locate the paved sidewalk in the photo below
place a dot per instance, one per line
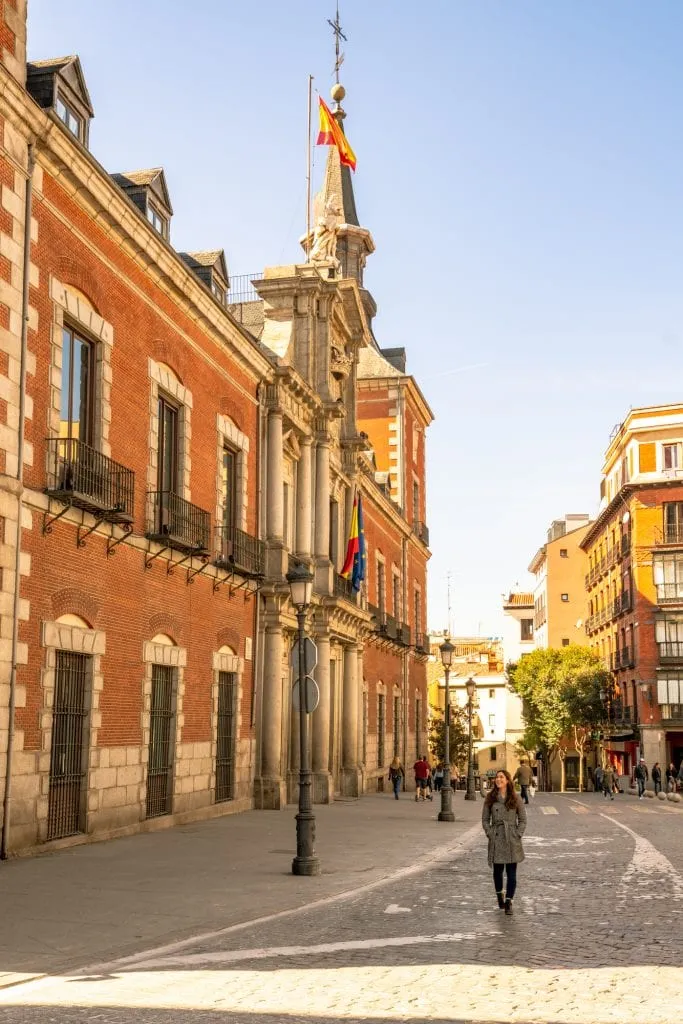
(103, 900)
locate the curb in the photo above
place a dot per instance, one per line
(674, 798)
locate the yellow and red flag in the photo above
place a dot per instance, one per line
(331, 134)
(356, 554)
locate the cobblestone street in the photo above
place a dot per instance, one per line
(596, 937)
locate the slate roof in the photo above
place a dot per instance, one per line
(372, 363)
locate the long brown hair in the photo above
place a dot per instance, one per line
(510, 795)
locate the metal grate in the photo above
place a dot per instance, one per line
(88, 479)
(177, 522)
(381, 728)
(67, 762)
(365, 727)
(161, 748)
(225, 736)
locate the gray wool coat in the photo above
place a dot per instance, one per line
(504, 829)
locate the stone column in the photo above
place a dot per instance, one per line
(303, 500)
(275, 517)
(350, 723)
(269, 787)
(322, 499)
(323, 788)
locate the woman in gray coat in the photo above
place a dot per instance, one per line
(504, 822)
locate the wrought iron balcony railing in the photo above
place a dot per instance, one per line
(78, 475)
(421, 643)
(344, 588)
(178, 523)
(403, 633)
(238, 550)
(672, 533)
(671, 713)
(422, 531)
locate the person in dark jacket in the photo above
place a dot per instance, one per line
(657, 777)
(608, 781)
(641, 773)
(598, 779)
(671, 778)
(503, 819)
(396, 774)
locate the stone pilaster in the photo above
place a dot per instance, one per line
(323, 786)
(304, 500)
(350, 766)
(269, 786)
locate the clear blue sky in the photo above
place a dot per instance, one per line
(519, 165)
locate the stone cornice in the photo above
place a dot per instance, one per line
(90, 185)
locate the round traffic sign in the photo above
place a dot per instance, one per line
(311, 695)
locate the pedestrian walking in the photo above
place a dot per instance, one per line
(608, 782)
(455, 778)
(680, 773)
(503, 819)
(641, 773)
(524, 776)
(598, 778)
(422, 774)
(438, 778)
(671, 778)
(396, 775)
(657, 777)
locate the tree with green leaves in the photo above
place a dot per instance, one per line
(458, 736)
(560, 691)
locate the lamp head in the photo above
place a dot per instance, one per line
(300, 585)
(471, 687)
(447, 650)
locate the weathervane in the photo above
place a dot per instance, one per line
(338, 34)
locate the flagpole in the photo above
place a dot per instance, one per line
(308, 170)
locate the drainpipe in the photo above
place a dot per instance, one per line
(7, 800)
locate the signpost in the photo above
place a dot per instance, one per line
(311, 695)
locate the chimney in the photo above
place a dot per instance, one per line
(13, 38)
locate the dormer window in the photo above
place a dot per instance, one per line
(158, 222)
(70, 118)
(218, 292)
(210, 267)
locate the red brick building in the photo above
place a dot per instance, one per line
(172, 464)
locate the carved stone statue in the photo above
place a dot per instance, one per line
(324, 248)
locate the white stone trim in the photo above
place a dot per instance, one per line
(59, 636)
(229, 434)
(74, 309)
(173, 657)
(162, 379)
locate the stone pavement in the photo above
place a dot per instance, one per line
(97, 901)
(597, 935)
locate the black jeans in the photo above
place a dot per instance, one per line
(525, 793)
(511, 871)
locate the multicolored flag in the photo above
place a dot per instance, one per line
(356, 556)
(331, 134)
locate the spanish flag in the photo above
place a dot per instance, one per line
(356, 556)
(331, 134)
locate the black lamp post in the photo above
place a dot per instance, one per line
(305, 863)
(447, 650)
(471, 688)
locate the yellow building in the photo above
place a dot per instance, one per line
(559, 569)
(634, 584)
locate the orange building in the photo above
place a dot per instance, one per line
(559, 570)
(634, 585)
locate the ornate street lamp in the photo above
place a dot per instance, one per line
(471, 688)
(447, 650)
(305, 863)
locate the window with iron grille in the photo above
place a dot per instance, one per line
(365, 728)
(418, 725)
(161, 742)
(225, 736)
(381, 728)
(68, 756)
(397, 725)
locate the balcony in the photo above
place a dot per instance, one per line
(239, 552)
(626, 660)
(620, 714)
(80, 476)
(421, 643)
(391, 626)
(670, 650)
(625, 545)
(672, 714)
(671, 534)
(421, 531)
(404, 633)
(177, 523)
(344, 588)
(670, 593)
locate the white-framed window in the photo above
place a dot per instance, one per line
(68, 116)
(670, 688)
(671, 456)
(218, 291)
(158, 222)
(668, 576)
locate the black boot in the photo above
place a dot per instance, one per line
(508, 908)
(501, 901)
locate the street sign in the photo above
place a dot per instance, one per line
(310, 657)
(311, 695)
